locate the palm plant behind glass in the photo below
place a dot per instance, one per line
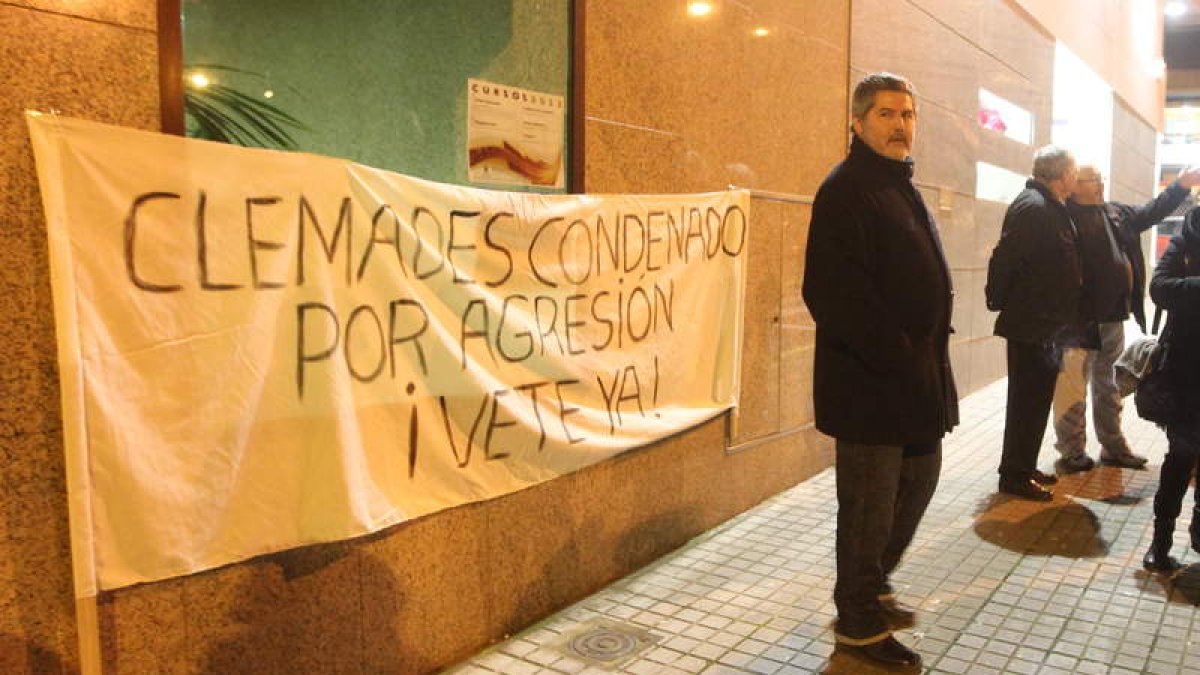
(218, 112)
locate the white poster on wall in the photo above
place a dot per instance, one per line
(514, 136)
(260, 349)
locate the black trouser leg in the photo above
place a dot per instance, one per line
(1032, 371)
(918, 480)
(1183, 452)
(881, 497)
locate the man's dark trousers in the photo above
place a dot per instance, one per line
(1032, 372)
(882, 494)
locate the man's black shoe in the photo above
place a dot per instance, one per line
(1043, 478)
(887, 651)
(1159, 561)
(1025, 489)
(897, 615)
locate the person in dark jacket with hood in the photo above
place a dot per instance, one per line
(1113, 280)
(878, 286)
(1176, 288)
(1034, 281)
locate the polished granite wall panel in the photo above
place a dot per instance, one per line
(1017, 64)
(654, 161)
(988, 361)
(960, 364)
(127, 13)
(964, 304)
(1009, 36)
(989, 221)
(797, 331)
(299, 613)
(963, 17)
(904, 38)
(761, 110)
(947, 145)
(426, 587)
(758, 411)
(1006, 153)
(144, 629)
(956, 226)
(1132, 177)
(103, 67)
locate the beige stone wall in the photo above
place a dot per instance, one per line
(1119, 39)
(1134, 145)
(89, 59)
(1133, 180)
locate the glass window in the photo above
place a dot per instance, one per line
(997, 114)
(381, 82)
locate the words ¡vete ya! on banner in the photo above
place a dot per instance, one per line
(261, 350)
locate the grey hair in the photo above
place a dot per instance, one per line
(1051, 162)
(865, 90)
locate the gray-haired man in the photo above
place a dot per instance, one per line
(1034, 281)
(1114, 279)
(878, 287)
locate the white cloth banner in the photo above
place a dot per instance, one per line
(261, 350)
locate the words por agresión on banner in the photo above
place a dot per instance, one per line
(559, 253)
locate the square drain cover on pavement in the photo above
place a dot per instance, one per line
(604, 643)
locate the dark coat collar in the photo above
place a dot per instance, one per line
(863, 157)
(1035, 184)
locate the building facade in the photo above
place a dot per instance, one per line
(672, 103)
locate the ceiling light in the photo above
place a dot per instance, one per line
(1175, 9)
(699, 8)
(761, 32)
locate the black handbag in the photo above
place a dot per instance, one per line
(1156, 397)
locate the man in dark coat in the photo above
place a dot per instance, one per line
(1034, 281)
(1113, 281)
(877, 284)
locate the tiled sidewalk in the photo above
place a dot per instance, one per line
(1003, 585)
